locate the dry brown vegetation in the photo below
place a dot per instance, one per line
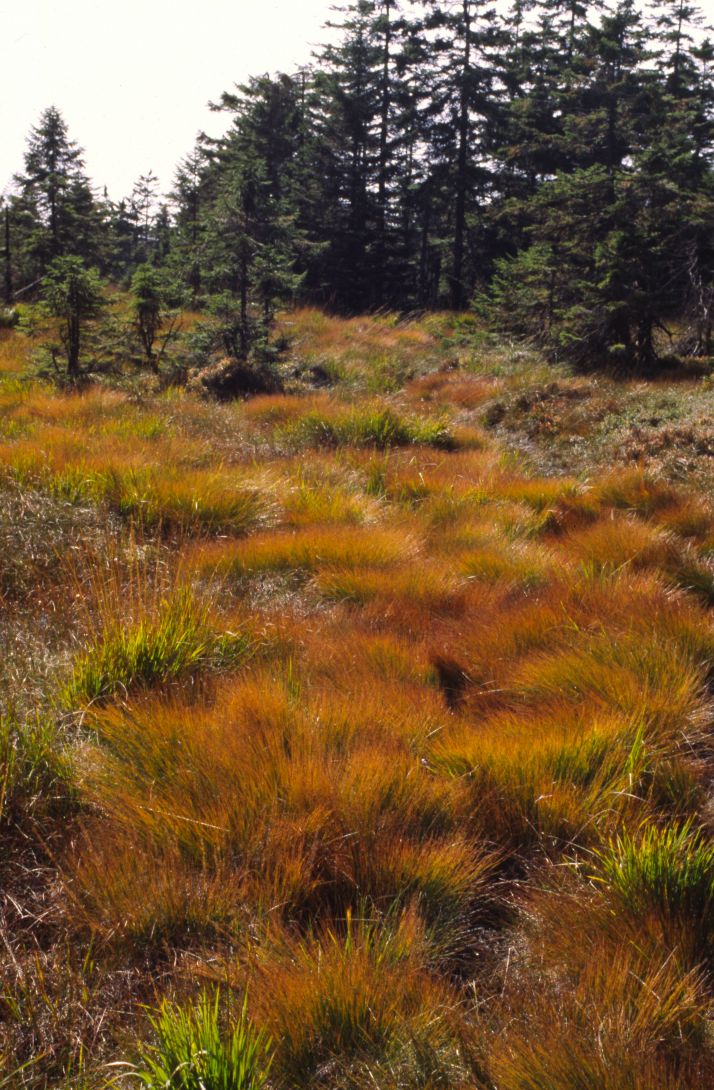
(329, 700)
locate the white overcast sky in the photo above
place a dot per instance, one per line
(133, 78)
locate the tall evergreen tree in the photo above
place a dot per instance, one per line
(349, 83)
(463, 107)
(57, 195)
(187, 199)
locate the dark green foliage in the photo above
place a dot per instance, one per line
(55, 211)
(239, 235)
(554, 161)
(149, 308)
(615, 243)
(74, 294)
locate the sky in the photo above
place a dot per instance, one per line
(133, 79)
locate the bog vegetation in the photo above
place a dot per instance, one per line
(356, 644)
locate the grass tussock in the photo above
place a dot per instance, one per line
(309, 549)
(323, 823)
(636, 1012)
(432, 590)
(149, 632)
(667, 873)
(192, 1052)
(36, 774)
(357, 1002)
(371, 427)
(196, 501)
(149, 899)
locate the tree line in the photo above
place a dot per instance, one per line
(549, 164)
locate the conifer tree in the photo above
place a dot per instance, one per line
(142, 212)
(74, 294)
(463, 107)
(349, 84)
(7, 252)
(57, 196)
(188, 227)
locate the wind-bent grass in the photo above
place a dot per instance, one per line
(429, 589)
(184, 500)
(525, 567)
(194, 500)
(619, 542)
(309, 549)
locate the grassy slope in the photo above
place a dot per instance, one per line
(351, 698)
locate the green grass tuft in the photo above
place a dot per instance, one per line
(177, 641)
(668, 872)
(192, 1053)
(35, 773)
(378, 427)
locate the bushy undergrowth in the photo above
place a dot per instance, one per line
(449, 828)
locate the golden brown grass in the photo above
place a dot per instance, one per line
(354, 1005)
(13, 353)
(468, 683)
(308, 549)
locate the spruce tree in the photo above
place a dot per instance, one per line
(58, 196)
(463, 107)
(187, 199)
(74, 294)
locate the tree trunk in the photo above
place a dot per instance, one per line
(73, 345)
(53, 220)
(383, 158)
(423, 286)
